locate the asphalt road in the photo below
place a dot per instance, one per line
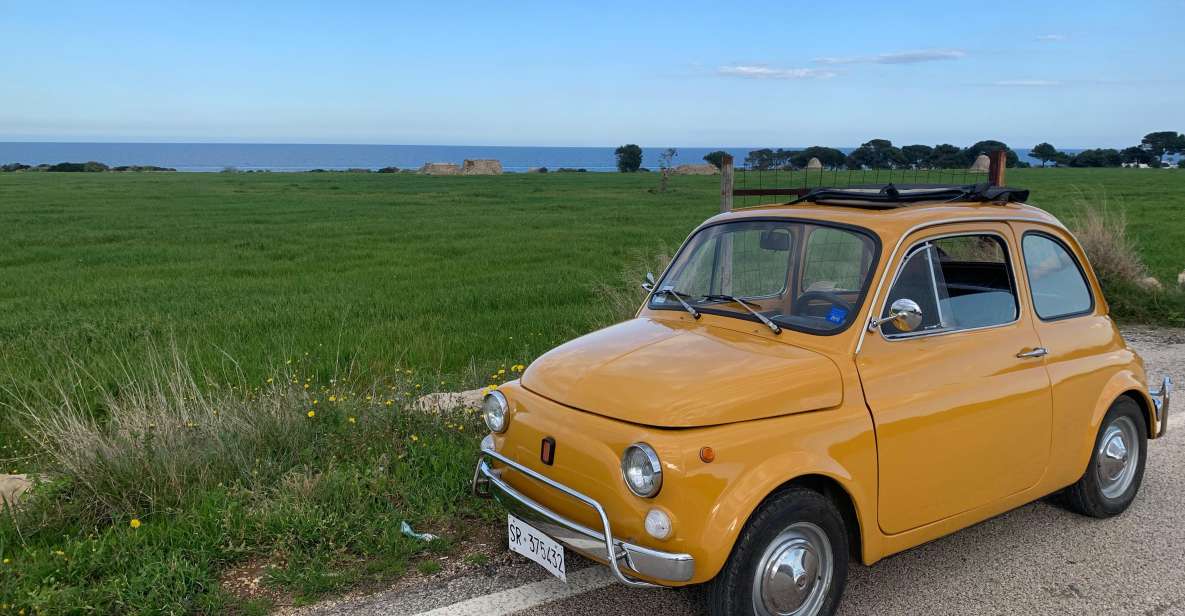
(1038, 559)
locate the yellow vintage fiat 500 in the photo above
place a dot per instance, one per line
(845, 376)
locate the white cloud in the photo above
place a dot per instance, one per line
(1028, 83)
(1051, 38)
(899, 57)
(751, 71)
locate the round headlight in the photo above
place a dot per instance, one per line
(641, 470)
(493, 410)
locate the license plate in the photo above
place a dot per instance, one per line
(528, 541)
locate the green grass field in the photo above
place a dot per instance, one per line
(384, 270)
(371, 287)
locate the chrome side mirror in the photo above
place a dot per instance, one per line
(905, 314)
(649, 284)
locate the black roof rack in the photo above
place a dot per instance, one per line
(890, 196)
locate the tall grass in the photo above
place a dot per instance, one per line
(310, 477)
(1102, 229)
(622, 294)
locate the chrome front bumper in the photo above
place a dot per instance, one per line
(1160, 400)
(627, 558)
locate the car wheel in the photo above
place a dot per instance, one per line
(1116, 466)
(790, 560)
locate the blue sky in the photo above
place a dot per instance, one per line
(547, 73)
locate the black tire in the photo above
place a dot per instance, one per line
(731, 592)
(1087, 496)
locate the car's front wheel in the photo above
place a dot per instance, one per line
(1116, 466)
(791, 560)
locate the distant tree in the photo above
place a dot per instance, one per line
(68, 167)
(766, 158)
(629, 158)
(945, 156)
(1137, 155)
(1163, 142)
(1044, 152)
(830, 158)
(917, 155)
(876, 154)
(987, 147)
(14, 167)
(716, 159)
(665, 160)
(1102, 157)
(389, 170)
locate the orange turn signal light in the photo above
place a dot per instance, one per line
(707, 454)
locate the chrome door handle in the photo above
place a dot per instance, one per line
(1037, 352)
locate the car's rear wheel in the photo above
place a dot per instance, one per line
(791, 560)
(1116, 467)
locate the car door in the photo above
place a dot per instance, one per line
(961, 405)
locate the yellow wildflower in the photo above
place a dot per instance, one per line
(333, 398)
(502, 371)
(390, 402)
(7, 560)
(306, 385)
(269, 382)
(312, 414)
(135, 523)
(414, 438)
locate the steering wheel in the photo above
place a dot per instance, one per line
(827, 296)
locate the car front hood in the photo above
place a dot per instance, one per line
(677, 374)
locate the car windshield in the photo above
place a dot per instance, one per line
(805, 276)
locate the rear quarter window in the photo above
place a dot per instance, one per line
(1056, 278)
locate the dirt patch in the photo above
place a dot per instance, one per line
(246, 582)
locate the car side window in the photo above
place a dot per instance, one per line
(960, 282)
(1056, 280)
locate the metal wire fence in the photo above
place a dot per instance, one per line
(755, 186)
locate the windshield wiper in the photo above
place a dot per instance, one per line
(679, 296)
(745, 304)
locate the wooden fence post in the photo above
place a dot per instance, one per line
(997, 163)
(726, 183)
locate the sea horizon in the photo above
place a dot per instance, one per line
(298, 157)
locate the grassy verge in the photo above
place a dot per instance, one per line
(183, 479)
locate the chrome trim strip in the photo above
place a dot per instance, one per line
(875, 298)
(1160, 400)
(599, 545)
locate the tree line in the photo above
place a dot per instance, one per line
(882, 154)
(1151, 151)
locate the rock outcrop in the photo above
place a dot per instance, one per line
(12, 487)
(486, 166)
(440, 169)
(704, 169)
(448, 400)
(1150, 283)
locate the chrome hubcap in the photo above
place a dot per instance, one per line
(794, 572)
(1117, 457)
